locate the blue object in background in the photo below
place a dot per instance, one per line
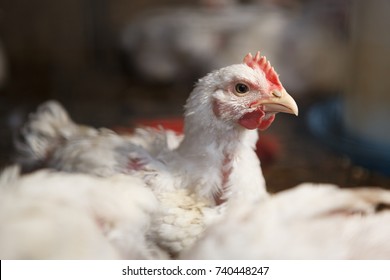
(325, 122)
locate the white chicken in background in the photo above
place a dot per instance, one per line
(307, 222)
(169, 45)
(165, 44)
(214, 162)
(51, 215)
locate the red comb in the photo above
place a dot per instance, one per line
(263, 64)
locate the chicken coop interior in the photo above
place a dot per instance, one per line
(120, 64)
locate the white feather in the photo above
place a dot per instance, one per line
(50, 215)
(307, 222)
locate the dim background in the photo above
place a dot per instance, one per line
(114, 62)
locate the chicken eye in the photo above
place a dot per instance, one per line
(241, 89)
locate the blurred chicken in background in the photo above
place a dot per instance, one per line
(169, 45)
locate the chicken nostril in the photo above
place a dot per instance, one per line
(277, 93)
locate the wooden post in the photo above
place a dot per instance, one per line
(367, 102)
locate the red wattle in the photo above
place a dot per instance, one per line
(255, 119)
(251, 120)
(264, 124)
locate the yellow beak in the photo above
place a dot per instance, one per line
(280, 101)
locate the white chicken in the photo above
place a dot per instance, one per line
(214, 162)
(307, 222)
(52, 215)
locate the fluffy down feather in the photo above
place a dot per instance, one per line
(50, 215)
(182, 219)
(307, 222)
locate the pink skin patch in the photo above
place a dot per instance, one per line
(135, 164)
(255, 119)
(217, 108)
(226, 170)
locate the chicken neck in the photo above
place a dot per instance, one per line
(218, 159)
